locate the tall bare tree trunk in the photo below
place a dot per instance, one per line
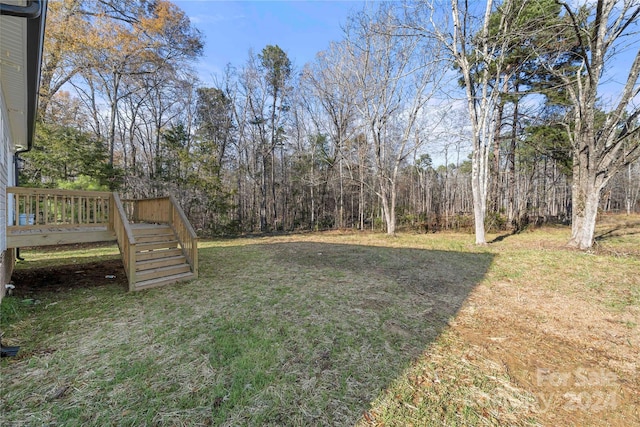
(479, 189)
(585, 201)
(512, 215)
(495, 170)
(603, 149)
(482, 96)
(263, 190)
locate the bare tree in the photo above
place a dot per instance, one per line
(601, 146)
(481, 58)
(396, 72)
(332, 84)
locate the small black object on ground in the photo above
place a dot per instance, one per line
(8, 351)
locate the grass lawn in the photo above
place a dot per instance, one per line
(334, 329)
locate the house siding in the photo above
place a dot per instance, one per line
(7, 257)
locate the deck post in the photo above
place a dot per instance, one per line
(131, 265)
(111, 213)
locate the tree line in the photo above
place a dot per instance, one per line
(486, 116)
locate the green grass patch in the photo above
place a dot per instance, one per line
(273, 332)
(14, 309)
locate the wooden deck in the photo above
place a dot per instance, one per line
(156, 241)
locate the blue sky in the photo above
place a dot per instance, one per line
(230, 28)
(301, 28)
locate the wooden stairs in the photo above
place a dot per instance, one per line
(159, 260)
(157, 243)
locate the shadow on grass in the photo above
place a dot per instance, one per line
(363, 315)
(437, 280)
(270, 334)
(501, 237)
(628, 229)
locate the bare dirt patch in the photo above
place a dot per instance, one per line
(579, 361)
(31, 282)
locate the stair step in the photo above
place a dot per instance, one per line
(160, 262)
(159, 272)
(154, 283)
(158, 253)
(159, 258)
(171, 244)
(147, 229)
(155, 238)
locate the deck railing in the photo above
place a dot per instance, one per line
(154, 210)
(32, 208)
(165, 210)
(126, 240)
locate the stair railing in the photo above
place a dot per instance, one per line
(186, 234)
(126, 240)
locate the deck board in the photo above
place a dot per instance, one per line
(52, 236)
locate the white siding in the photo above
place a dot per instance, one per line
(4, 172)
(6, 178)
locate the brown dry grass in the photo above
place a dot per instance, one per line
(557, 326)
